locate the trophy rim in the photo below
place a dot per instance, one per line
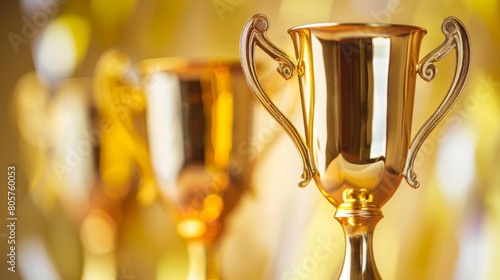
(390, 28)
(182, 64)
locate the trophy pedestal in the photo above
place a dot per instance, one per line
(358, 216)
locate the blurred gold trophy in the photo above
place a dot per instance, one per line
(61, 139)
(357, 84)
(196, 115)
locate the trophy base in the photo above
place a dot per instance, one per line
(358, 216)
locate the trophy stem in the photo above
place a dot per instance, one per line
(203, 264)
(212, 260)
(358, 219)
(202, 248)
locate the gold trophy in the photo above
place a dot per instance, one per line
(357, 85)
(197, 115)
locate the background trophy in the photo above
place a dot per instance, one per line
(63, 139)
(196, 115)
(357, 84)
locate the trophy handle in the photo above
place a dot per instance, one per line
(254, 34)
(116, 99)
(458, 38)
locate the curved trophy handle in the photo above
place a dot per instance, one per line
(458, 38)
(254, 34)
(116, 98)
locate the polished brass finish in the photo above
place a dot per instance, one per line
(357, 84)
(359, 262)
(456, 38)
(254, 34)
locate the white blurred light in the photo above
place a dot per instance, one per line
(165, 129)
(34, 260)
(72, 150)
(381, 57)
(456, 164)
(42, 8)
(28, 6)
(55, 53)
(473, 258)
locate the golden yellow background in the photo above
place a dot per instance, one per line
(447, 229)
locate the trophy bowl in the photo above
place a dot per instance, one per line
(357, 86)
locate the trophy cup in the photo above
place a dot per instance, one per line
(196, 114)
(62, 138)
(357, 85)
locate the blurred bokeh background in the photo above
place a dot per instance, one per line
(447, 229)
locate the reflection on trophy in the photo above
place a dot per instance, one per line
(357, 84)
(193, 129)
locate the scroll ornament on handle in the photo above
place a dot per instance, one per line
(456, 37)
(254, 33)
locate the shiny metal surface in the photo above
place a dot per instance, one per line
(457, 38)
(357, 84)
(254, 35)
(359, 261)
